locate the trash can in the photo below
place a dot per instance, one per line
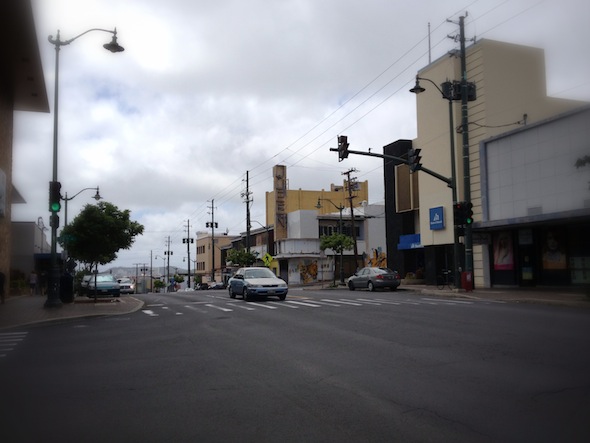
(467, 280)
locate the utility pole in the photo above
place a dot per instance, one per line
(246, 194)
(168, 253)
(188, 240)
(350, 197)
(465, 130)
(212, 224)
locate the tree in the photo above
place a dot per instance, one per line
(241, 257)
(98, 233)
(338, 243)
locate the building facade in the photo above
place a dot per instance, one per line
(510, 95)
(22, 88)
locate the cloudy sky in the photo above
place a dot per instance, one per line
(209, 89)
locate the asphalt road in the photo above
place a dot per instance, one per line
(325, 366)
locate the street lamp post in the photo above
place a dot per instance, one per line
(53, 293)
(66, 199)
(340, 208)
(446, 94)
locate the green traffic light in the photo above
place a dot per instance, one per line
(55, 207)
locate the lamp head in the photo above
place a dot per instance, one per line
(113, 46)
(319, 205)
(97, 196)
(417, 89)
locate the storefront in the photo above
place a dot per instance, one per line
(543, 255)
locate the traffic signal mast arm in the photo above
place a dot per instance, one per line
(448, 181)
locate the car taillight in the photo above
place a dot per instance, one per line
(380, 277)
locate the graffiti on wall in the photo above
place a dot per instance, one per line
(377, 258)
(308, 271)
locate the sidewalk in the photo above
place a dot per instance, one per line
(26, 310)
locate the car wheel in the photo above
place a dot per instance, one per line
(371, 286)
(282, 297)
(350, 286)
(246, 296)
(231, 293)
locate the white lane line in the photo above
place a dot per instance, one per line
(8, 334)
(264, 305)
(349, 303)
(219, 307)
(371, 302)
(10, 340)
(149, 312)
(247, 308)
(408, 302)
(388, 302)
(311, 305)
(283, 304)
(450, 301)
(327, 302)
(156, 305)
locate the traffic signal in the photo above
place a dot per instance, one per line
(342, 147)
(414, 158)
(468, 214)
(458, 213)
(463, 213)
(54, 196)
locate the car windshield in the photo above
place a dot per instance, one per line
(258, 273)
(104, 278)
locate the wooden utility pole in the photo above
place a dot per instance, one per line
(349, 185)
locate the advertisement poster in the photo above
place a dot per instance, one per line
(503, 253)
(554, 256)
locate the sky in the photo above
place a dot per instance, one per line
(207, 90)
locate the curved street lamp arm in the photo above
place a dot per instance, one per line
(85, 189)
(57, 42)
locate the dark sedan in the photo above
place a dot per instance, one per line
(372, 278)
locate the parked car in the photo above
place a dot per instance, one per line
(106, 285)
(126, 285)
(256, 281)
(201, 286)
(372, 278)
(217, 285)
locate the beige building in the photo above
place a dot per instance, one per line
(22, 88)
(209, 263)
(510, 93)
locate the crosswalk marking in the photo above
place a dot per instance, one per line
(9, 341)
(218, 307)
(218, 303)
(311, 305)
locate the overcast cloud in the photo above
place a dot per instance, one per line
(207, 90)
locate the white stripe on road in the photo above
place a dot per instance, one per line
(327, 302)
(388, 302)
(311, 305)
(450, 301)
(149, 312)
(371, 302)
(349, 303)
(241, 307)
(219, 307)
(283, 304)
(263, 305)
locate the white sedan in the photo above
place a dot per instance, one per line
(256, 281)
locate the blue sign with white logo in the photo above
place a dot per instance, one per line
(437, 219)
